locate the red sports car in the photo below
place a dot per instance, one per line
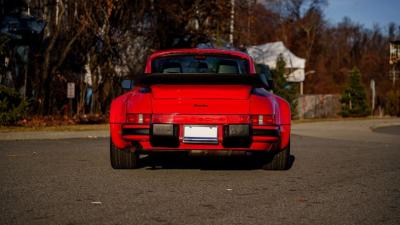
(200, 101)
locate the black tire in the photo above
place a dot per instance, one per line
(123, 158)
(277, 161)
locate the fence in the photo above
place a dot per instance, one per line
(318, 106)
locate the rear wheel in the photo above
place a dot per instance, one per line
(277, 161)
(123, 158)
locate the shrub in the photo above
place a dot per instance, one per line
(12, 106)
(392, 106)
(354, 98)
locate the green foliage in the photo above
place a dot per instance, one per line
(392, 106)
(4, 41)
(354, 98)
(12, 106)
(283, 88)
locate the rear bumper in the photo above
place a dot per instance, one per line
(259, 138)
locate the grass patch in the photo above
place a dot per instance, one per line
(298, 121)
(4, 129)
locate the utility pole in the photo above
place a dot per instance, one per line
(232, 22)
(249, 14)
(394, 60)
(29, 8)
(57, 11)
(372, 85)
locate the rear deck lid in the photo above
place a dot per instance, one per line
(174, 91)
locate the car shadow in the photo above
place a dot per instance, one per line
(183, 161)
(292, 158)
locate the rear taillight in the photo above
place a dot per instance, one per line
(138, 118)
(260, 120)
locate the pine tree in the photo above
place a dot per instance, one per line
(354, 98)
(283, 88)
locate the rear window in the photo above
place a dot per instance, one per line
(200, 64)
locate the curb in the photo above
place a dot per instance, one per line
(384, 125)
(52, 135)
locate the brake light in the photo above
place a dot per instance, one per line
(138, 118)
(262, 120)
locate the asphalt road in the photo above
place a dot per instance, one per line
(394, 130)
(333, 180)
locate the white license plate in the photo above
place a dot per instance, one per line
(199, 131)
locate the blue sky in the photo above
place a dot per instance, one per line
(366, 12)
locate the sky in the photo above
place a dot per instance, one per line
(366, 12)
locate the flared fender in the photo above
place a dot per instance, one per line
(283, 115)
(117, 117)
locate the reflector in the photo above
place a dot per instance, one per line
(262, 120)
(138, 118)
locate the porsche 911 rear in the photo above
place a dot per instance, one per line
(217, 119)
(199, 101)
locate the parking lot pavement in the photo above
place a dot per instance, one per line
(393, 130)
(340, 129)
(352, 130)
(331, 181)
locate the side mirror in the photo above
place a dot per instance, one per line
(127, 85)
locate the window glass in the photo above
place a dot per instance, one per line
(200, 64)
